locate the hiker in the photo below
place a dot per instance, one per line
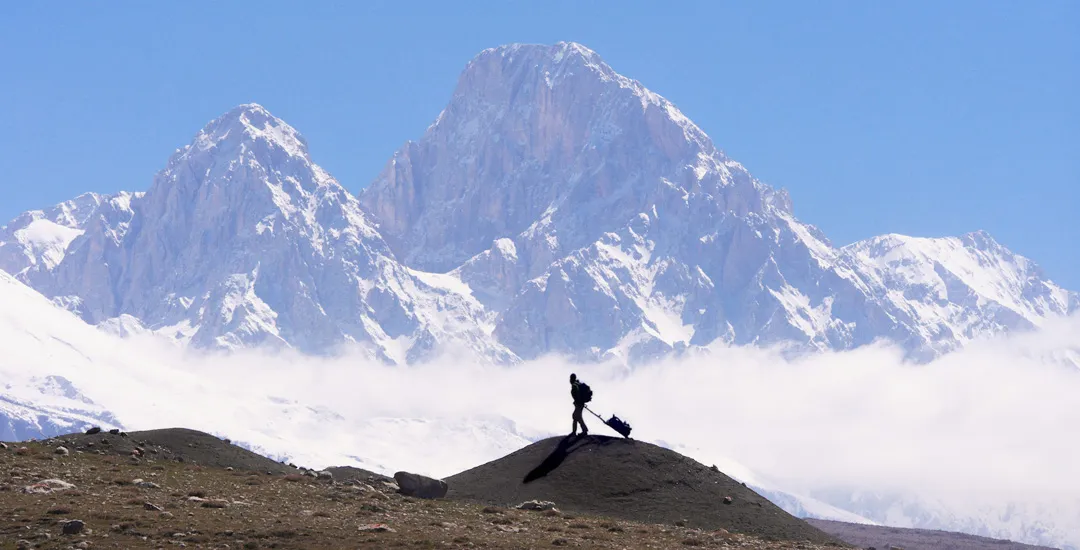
(582, 394)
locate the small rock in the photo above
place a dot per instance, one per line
(83, 545)
(166, 514)
(22, 544)
(560, 542)
(73, 527)
(376, 528)
(309, 473)
(152, 507)
(114, 431)
(728, 500)
(415, 485)
(196, 499)
(326, 476)
(3, 445)
(22, 451)
(216, 503)
(537, 505)
(680, 523)
(228, 468)
(94, 430)
(62, 451)
(146, 484)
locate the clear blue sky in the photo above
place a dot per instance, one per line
(923, 118)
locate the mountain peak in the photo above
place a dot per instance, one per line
(247, 123)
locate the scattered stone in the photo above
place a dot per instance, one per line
(376, 528)
(94, 430)
(216, 503)
(728, 500)
(536, 505)
(82, 545)
(145, 484)
(196, 499)
(22, 451)
(415, 485)
(47, 486)
(152, 507)
(73, 527)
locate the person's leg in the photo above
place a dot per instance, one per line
(575, 417)
(579, 419)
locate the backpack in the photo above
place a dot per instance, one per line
(584, 392)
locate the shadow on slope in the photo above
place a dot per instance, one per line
(627, 479)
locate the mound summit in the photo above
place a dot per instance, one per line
(632, 480)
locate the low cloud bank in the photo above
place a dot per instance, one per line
(997, 420)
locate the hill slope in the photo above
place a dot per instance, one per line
(630, 480)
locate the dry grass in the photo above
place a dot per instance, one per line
(204, 507)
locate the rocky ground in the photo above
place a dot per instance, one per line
(79, 492)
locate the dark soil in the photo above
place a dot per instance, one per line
(876, 536)
(178, 444)
(98, 504)
(631, 480)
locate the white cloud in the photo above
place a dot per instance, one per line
(996, 422)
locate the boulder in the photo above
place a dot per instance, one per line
(537, 505)
(62, 451)
(94, 430)
(415, 485)
(73, 527)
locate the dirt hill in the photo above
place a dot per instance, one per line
(877, 536)
(60, 500)
(178, 444)
(630, 480)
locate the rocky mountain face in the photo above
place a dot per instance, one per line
(553, 206)
(242, 240)
(598, 221)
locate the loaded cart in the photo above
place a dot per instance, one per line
(614, 423)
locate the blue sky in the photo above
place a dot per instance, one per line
(923, 118)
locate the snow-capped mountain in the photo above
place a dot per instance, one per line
(37, 240)
(597, 220)
(553, 206)
(242, 240)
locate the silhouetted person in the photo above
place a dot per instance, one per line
(581, 394)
